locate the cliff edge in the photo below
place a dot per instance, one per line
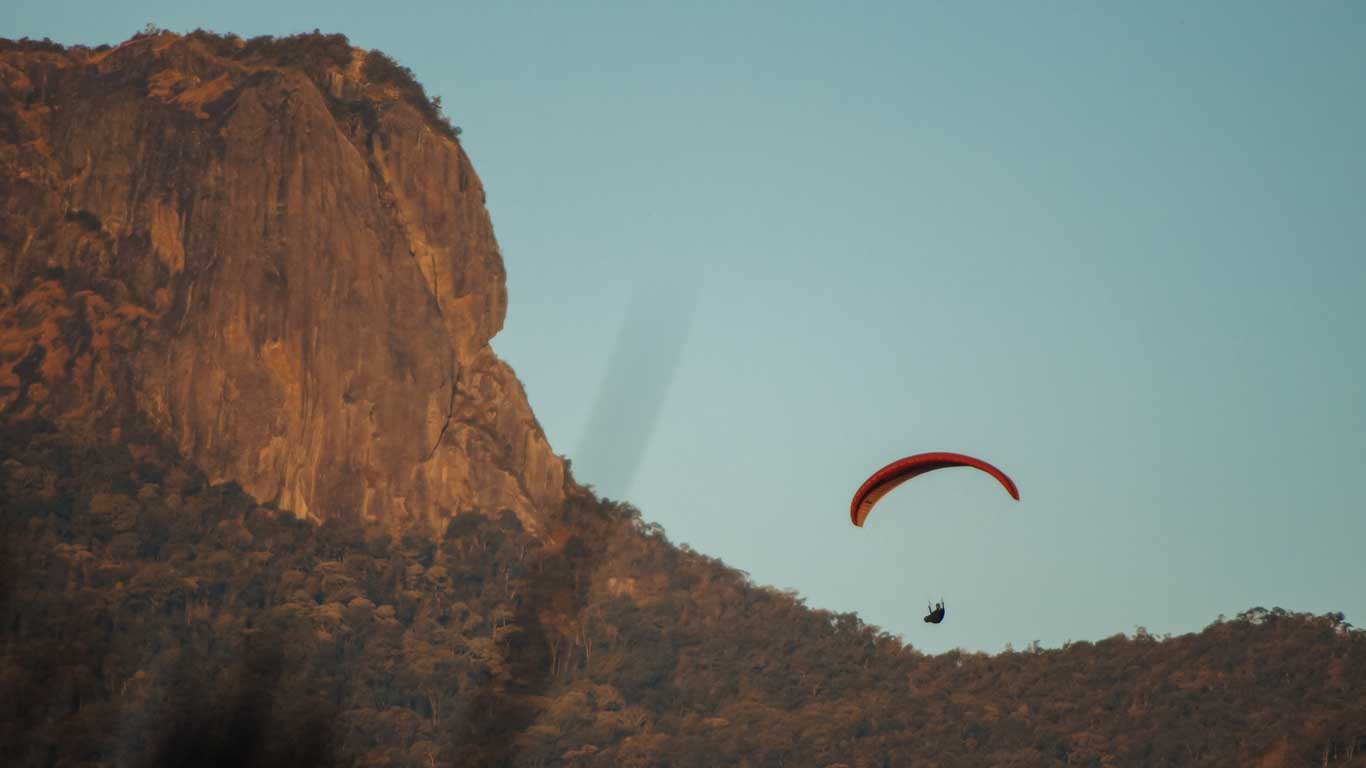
(275, 253)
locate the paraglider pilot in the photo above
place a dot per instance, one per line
(936, 614)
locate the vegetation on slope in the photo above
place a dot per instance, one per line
(315, 54)
(150, 618)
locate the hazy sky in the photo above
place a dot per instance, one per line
(1118, 250)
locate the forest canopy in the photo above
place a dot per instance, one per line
(149, 617)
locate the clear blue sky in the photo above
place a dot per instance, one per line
(1117, 249)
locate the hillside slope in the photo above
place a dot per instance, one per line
(150, 618)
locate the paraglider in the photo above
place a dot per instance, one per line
(889, 477)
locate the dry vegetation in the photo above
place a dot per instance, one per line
(318, 55)
(149, 618)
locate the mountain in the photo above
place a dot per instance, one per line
(268, 498)
(276, 255)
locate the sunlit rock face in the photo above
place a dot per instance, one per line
(277, 257)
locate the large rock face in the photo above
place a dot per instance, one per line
(274, 253)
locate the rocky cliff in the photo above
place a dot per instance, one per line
(273, 253)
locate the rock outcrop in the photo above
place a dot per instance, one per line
(277, 255)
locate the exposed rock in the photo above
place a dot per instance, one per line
(279, 261)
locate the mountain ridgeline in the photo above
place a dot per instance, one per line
(268, 498)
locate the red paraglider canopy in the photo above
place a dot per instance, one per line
(884, 480)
